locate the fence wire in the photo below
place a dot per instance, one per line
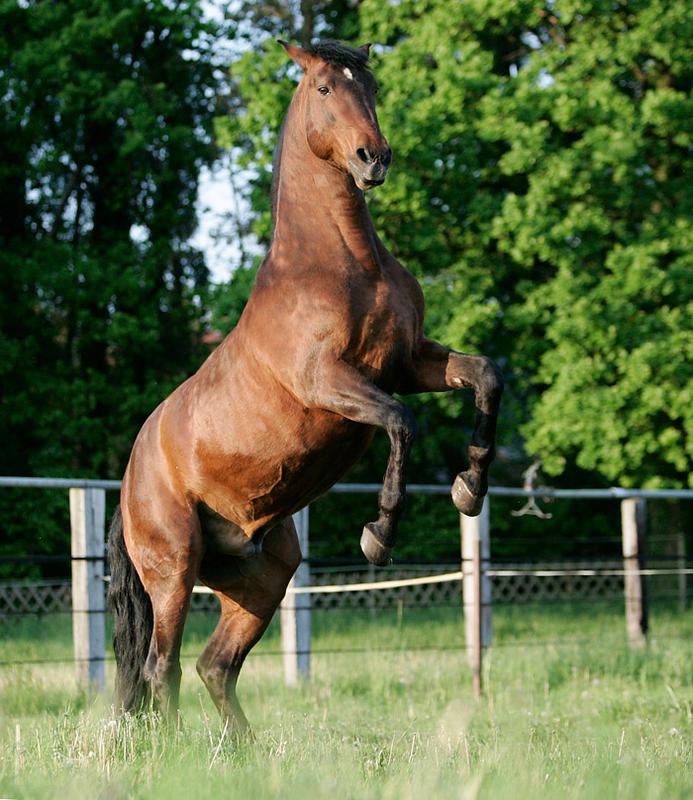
(526, 583)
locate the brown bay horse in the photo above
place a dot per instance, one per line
(284, 406)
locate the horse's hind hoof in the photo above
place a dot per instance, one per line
(374, 550)
(465, 500)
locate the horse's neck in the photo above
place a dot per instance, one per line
(319, 211)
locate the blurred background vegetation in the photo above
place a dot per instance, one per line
(541, 192)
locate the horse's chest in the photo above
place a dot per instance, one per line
(382, 333)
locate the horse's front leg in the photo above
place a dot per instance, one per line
(341, 388)
(438, 369)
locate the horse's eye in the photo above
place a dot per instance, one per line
(324, 90)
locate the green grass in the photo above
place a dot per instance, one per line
(568, 712)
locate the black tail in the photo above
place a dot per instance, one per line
(133, 621)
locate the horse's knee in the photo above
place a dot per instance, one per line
(400, 424)
(491, 381)
(287, 552)
(408, 428)
(282, 545)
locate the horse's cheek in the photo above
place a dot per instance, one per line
(321, 137)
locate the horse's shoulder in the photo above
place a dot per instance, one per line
(406, 282)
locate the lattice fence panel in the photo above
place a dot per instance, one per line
(528, 585)
(45, 597)
(35, 597)
(204, 602)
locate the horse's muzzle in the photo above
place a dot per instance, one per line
(369, 168)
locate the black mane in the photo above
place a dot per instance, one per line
(340, 55)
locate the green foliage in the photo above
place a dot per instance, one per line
(539, 191)
(596, 122)
(552, 148)
(106, 121)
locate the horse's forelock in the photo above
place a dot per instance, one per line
(339, 55)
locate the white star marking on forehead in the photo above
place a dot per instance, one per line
(347, 72)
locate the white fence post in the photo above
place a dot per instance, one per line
(87, 521)
(634, 528)
(476, 551)
(295, 613)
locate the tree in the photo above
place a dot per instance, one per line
(538, 192)
(106, 122)
(109, 121)
(598, 126)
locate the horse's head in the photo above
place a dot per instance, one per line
(338, 101)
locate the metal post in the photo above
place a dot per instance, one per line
(295, 614)
(87, 521)
(634, 526)
(476, 554)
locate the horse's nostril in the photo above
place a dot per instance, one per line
(364, 155)
(386, 158)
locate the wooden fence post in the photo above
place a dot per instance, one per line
(634, 532)
(295, 614)
(87, 521)
(681, 566)
(476, 587)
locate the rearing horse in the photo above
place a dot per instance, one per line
(284, 406)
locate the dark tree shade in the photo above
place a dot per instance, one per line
(105, 123)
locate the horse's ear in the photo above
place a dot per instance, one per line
(302, 57)
(366, 49)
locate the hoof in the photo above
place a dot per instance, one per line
(465, 500)
(376, 552)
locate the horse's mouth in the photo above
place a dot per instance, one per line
(366, 176)
(367, 183)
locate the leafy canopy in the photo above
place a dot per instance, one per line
(539, 192)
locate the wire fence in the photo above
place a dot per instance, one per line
(351, 587)
(354, 590)
(415, 584)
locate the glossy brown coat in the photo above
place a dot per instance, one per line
(291, 398)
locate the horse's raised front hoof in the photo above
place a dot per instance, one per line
(374, 550)
(465, 500)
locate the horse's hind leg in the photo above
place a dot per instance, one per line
(170, 603)
(250, 591)
(167, 558)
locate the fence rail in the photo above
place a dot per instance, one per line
(612, 493)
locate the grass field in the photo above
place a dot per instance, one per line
(568, 712)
